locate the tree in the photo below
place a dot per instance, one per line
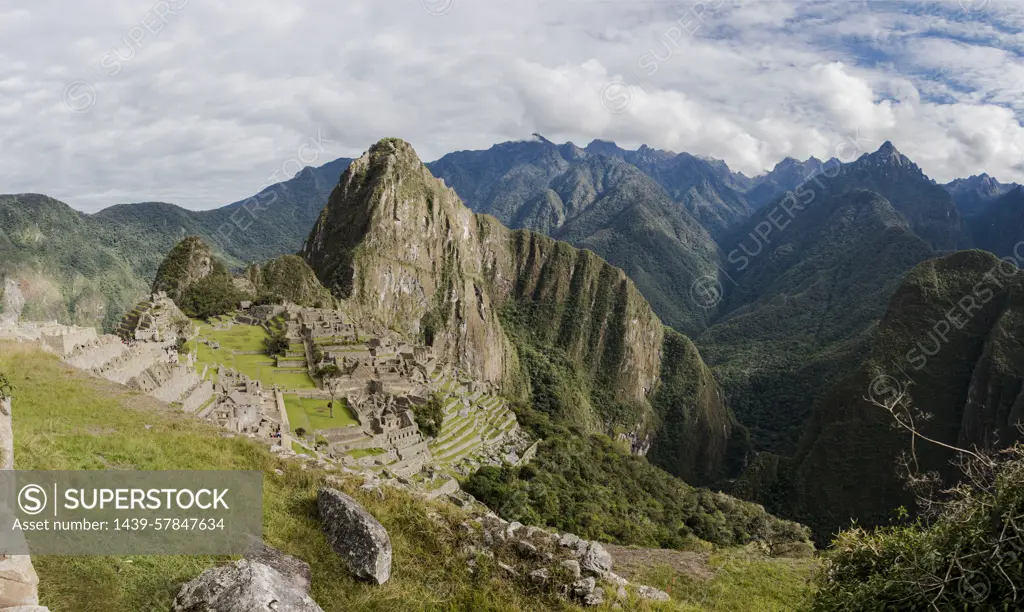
(300, 432)
(962, 553)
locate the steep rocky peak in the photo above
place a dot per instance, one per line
(404, 251)
(888, 155)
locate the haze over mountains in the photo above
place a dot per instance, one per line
(786, 288)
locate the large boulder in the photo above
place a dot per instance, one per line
(296, 570)
(355, 535)
(245, 586)
(18, 582)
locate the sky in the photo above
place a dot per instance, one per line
(203, 102)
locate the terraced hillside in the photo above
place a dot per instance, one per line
(474, 422)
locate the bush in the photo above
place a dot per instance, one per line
(966, 555)
(430, 416)
(211, 296)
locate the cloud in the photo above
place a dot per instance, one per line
(198, 103)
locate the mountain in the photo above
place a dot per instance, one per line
(973, 194)
(799, 314)
(548, 322)
(784, 177)
(58, 263)
(808, 277)
(999, 227)
(598, 202)
(951, 340)
(698, 184)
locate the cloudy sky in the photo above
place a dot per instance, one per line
(202, 102)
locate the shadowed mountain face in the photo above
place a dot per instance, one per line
(951, 339)
(974, 194)
(999, 226)
(599, 202)
(90, 269)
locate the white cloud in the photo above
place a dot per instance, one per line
(201, 106)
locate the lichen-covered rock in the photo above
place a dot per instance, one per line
(573, 567)
(586, 591)
(245, 586)
(296, 570)
(595, 560)
(650, 593)
(355, 535)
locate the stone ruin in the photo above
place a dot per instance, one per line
(19, 584)
(242, 405)
(152, 320)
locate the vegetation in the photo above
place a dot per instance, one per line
(66, 420)
(963, 554)
(583, 483)
(739, 580)
(290, 278)
(430, 416)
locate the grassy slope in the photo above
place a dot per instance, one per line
(67, 420)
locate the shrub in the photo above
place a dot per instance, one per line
(430, 416)
(965, 555)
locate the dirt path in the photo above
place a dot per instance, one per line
(631, 561)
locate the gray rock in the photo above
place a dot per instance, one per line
(18, 582)
(595, 560)
(245, 586)
(584, 587)
(587, 591)
(621, 593)
(27, 609)
(526, 549)
(512, 528)
(615, 579)
(651, 593)
(540, 577)
(355, 535)
(296, 570)
(573, 567)
(569, 540)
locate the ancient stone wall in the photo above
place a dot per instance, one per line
(19, 584)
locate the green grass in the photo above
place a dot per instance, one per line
(66, 420)
(359, 453)
(741, 581)
(235, 343)
(291, 379)
(313, 414)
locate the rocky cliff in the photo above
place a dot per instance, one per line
(400, 246)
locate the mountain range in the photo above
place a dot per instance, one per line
(782, 295)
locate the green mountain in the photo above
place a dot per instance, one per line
(950, 339)
(548, 322)
(598, 202)
(705, 188)
(58, 263)
(800, 313)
